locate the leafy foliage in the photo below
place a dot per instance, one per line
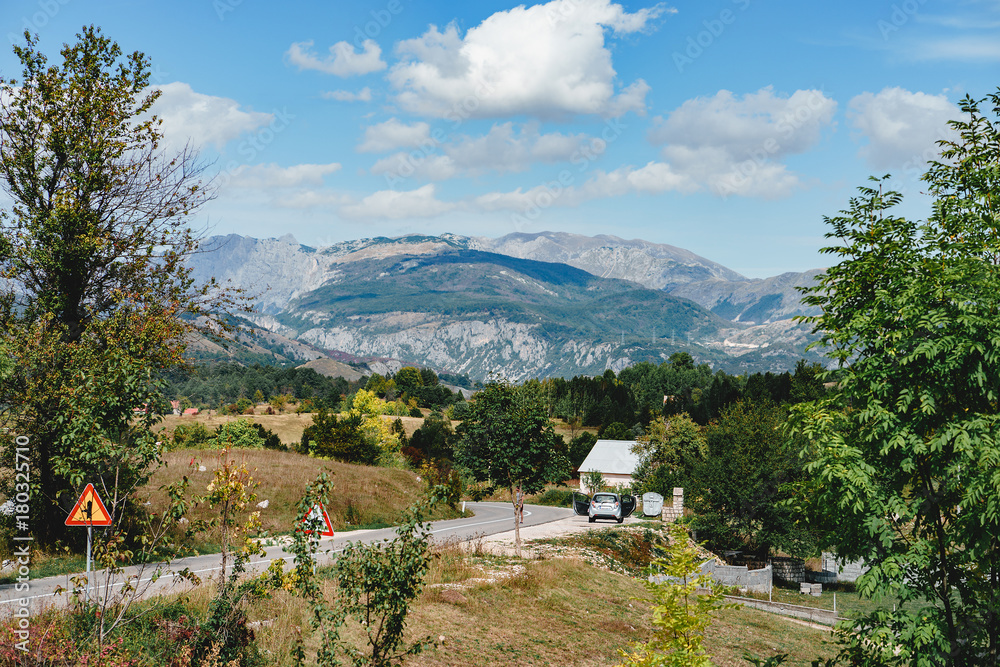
(738, 489)
(672, 447)
(376, 583)
(906, 460)
(238, 434)
(680, 612)
(339, 437)
(507, 441)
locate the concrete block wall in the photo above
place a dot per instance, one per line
(739, 575)
(841, 570)
(732, 575)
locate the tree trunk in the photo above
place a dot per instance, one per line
(518, 499)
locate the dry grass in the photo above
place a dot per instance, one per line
(288, 427)
(568, 432)
(364, 495)
(498, 611)
(493, 611)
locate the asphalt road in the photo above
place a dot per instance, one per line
(489, 519)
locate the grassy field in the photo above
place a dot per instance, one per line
(364, 496)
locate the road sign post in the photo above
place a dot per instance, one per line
(89, 511)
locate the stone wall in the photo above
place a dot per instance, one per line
(672, 512)
(789, 569)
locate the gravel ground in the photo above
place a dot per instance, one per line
(503, 543)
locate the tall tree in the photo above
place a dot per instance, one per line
(92, 260)
(907, 455)
(507, 441)
(740, 485)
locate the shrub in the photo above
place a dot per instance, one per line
(555, 498)
(193, 435)
(241, 434)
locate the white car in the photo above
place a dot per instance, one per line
(604, 505)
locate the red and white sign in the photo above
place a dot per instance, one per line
(89, 510)
(318, 512)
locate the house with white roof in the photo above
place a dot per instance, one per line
(613, 459)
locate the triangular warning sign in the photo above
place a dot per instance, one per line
(89, 510)
(318, 512)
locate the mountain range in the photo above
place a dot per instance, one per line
(523, 305)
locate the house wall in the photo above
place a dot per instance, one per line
(610, 479)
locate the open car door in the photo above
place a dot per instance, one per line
(628, 505)
(581, 503)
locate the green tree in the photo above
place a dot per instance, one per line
(738, 490)
(668, 452)
(579, 448)
(239, 434)
(434, 440)
(376, 584)
(408, 380)
(92, 269)
(906, 456)
(340, 438)
(617, 431)
(507, 441)
(682, 609)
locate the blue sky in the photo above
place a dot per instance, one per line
(727, 127)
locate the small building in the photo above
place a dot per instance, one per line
(190, 412)
(613, 459)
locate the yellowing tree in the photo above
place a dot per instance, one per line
(370, 408)
(93, 282)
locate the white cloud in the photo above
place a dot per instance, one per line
(312, 199)
(546, 61)
(264, 176)
(397, 205)
(901, 127)
(343, 60)
(203, 119)
(654, 178)
(734, 146)
(393, 134)
(966, 48)
(363, 95)
(420, 164)
(502, 149)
